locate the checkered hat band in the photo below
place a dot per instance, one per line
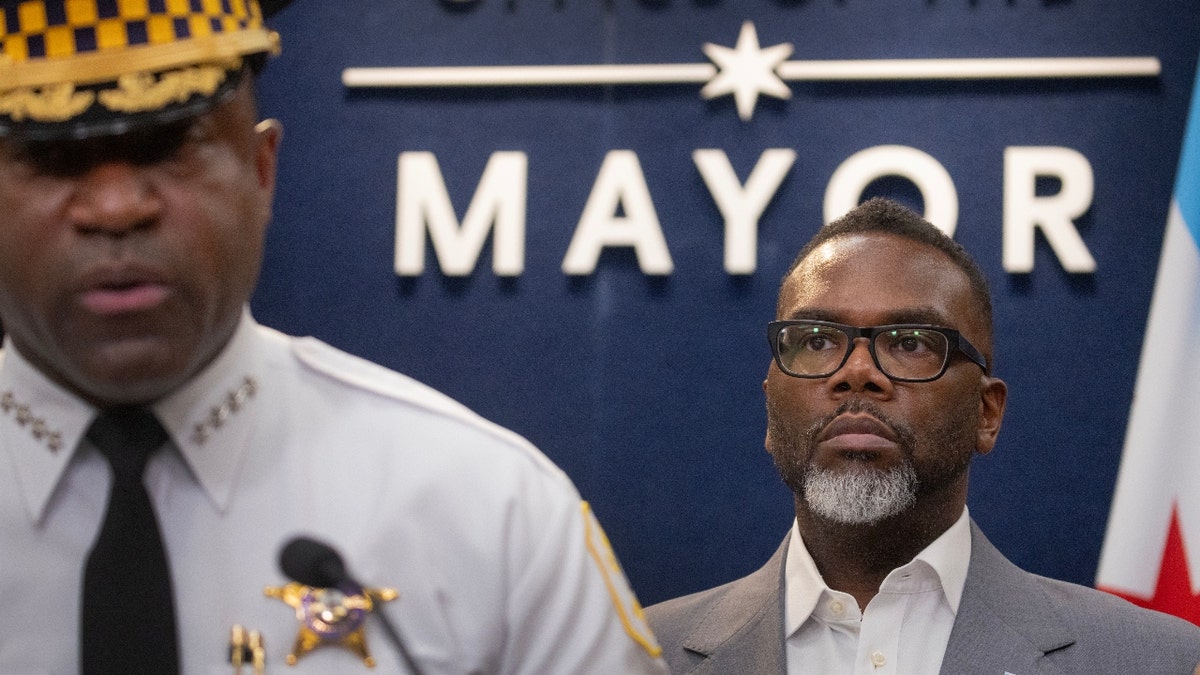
(38, 29)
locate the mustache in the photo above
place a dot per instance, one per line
(904, 433)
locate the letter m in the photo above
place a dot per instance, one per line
(422, 201)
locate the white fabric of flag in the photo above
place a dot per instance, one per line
(1154, 525)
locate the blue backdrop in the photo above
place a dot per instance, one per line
(646, 388)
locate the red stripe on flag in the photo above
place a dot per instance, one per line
(1173, 592)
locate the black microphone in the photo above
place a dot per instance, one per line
(317, 564)
(313, 563)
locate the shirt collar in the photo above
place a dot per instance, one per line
(949, 556)
(207, 417)
(41, 423)
(40, 426)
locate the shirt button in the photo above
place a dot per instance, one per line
(878, 659)
(837, 607)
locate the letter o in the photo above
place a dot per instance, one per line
(931, 178)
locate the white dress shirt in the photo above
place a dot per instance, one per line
(499, 565)
(905, 627)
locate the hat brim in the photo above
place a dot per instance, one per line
(98, 121)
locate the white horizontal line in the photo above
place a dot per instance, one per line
(662, 73)
(970, 69)
(484, 76)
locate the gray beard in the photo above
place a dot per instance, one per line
(860, 497)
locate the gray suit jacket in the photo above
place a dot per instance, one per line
(1009, 621)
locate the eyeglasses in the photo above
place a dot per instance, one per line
(903, 352)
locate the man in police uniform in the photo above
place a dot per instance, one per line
(135, 188)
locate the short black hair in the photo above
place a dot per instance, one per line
(884, 216)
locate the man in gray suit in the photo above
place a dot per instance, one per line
(879, 394)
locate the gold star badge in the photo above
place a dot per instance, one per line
(330, 616)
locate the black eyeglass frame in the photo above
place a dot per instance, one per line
(954, 339)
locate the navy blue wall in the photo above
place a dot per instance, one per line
(646, 389)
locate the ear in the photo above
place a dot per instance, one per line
(993, 395)
(268, 135)
(767, 442)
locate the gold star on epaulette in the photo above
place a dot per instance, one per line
(329, 616)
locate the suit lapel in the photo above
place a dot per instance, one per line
(1005, 622)
(743, 632)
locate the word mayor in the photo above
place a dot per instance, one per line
(620, 213)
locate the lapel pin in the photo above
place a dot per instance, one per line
(246, 647)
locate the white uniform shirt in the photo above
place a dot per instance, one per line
(905, 628)
(499, 565)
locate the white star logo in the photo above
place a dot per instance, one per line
(747, 71)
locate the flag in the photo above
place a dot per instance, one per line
(1151, 552)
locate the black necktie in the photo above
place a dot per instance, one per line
(128, 615)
